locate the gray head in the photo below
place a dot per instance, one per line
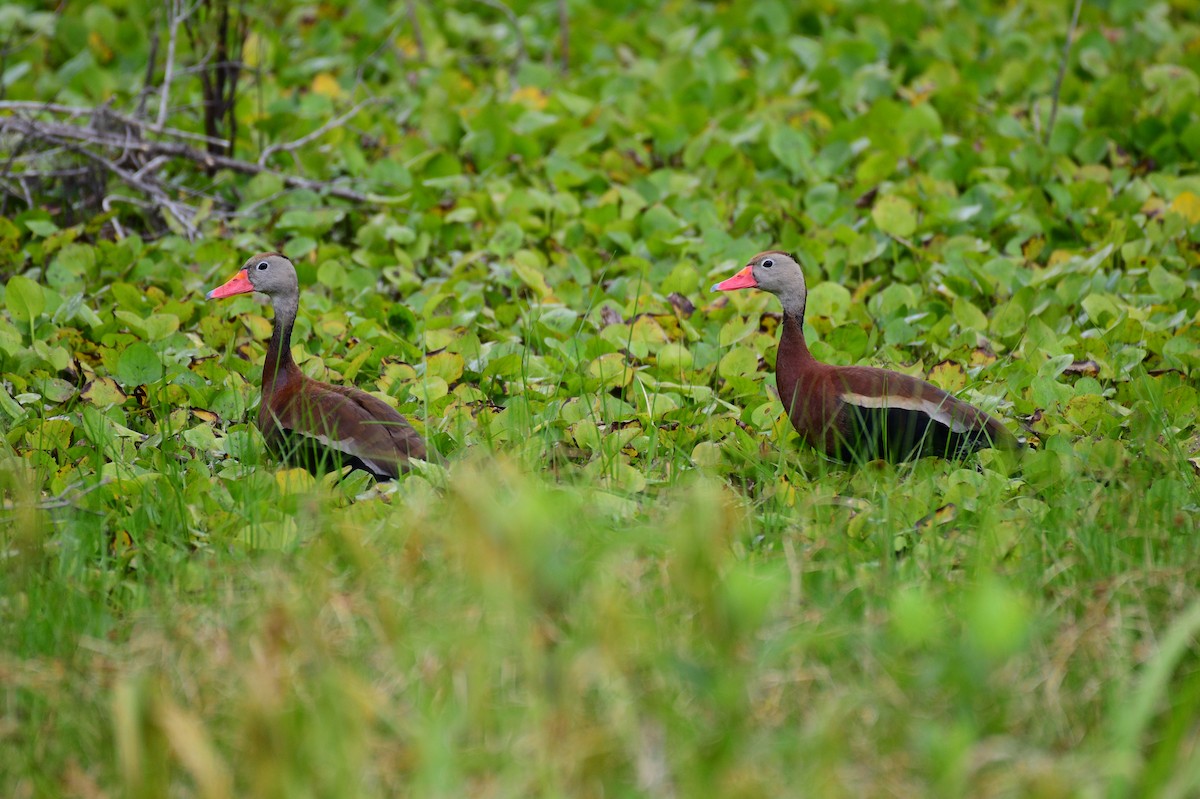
(268, 272)
(774, 271)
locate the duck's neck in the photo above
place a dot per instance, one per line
(279, 366)
(793, 360)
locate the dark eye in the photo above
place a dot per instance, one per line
(262, 265)
(767, 262)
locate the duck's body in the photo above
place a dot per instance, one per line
(860, 413)
(308, 423)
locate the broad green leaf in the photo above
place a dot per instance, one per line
(611, 370)
(10, 406)
(894, 216)
(738, 362)
(1166, 285)
(41, 227)
(675, 358)
(968, 316)
(792, 148)
(24, 299)
(139, 365)
(829, 299)
(506, 240)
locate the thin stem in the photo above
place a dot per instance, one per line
(1062, 69)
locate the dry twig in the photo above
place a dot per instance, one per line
(131, 142)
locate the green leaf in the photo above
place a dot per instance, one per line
(792, 148)
(675, 358)
(7, 404)
(41, 227)
(71, 266)
(830, 300)
(738, 362)
(139, 365)
(1166, 285)
(24, 299)
(894, 216)
(506, 240)
(968, 316)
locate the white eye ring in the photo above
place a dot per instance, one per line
(768, 263)
(262, 265)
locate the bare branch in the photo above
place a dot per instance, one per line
(152, 165)
(316, 134)
(23, 194)
(75, 136)
(178, 211)
(72, 111)
(1062, 69)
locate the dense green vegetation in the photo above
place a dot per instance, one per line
(621, 576)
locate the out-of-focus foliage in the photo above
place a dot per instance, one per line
(655, 588)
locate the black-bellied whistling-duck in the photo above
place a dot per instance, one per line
(859, 413)
(306, 422)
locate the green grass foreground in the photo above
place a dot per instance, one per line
(621, 576)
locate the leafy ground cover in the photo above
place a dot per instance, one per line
(621, 575)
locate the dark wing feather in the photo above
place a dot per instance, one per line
(896, 417)
(322, 425)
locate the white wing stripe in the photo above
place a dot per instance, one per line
(345, 445)
(933, 410)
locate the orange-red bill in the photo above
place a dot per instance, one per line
(238, 284)
(742, 280)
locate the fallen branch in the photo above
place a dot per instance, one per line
(83, 111)
(114, 146)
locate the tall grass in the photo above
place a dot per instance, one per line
(486, 630)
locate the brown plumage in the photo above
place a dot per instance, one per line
(306, 422)
(859, 413)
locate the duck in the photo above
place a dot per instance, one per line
(308, 423)
(856, 414)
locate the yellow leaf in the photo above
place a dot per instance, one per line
(1033, 247)
(103, 392)
(102, 50)
(1059, 257)
(1187, 205)
(530, 97)
(948, 376)
(326, 85)
(293, 481)
(407, 46)
(1153, 206)
(786, 491)
(253, 50)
